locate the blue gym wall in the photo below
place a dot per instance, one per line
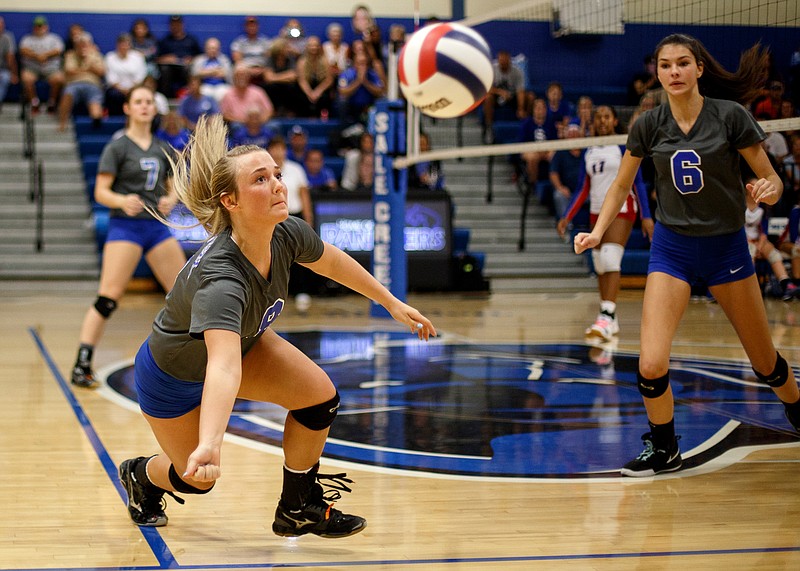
(600, 66)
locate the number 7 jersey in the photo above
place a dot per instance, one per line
(698, 182)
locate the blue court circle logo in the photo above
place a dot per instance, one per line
(511, 410)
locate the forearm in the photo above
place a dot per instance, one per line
(219, 394)
(342, 268)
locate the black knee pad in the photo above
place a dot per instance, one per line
(105, 306)
(319, 416)
(652, 388)
(779, 376)
(182, 486)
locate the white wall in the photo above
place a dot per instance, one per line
(380, 8)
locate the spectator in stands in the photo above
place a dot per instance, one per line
(506, 98)
(71, 39)
(535, 129)
(125, 68)
(298, 144)
(242, 98)
(359, 87)
(352, 161)
(9, 74)
(162, 105)
(775, 143)
(794, 77)
(84, 72)
(788, 111)
(295, 36)
(584, 116)
(601, 165)
(361, 21)
(336, 51)
(373, 44)
(565, 172)
(175, 53)
(789, 242)
(396, 41)
(250, 50)
(320, 178)
(214, 70)
(133, 174)
(280, 78)
(559, 112)
(755, 227)
(426, 175)
(195, 104)
(142, 41)
(298, 199)
(173, 132)
(253, 132)
(642, 81)
(770, 105)
(358, 47)
(40, 53)
(791, 171)
(315, 80)
(366, 173)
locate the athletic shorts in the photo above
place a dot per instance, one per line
(146, 232)
(710, 260)
(84, 92)
(162, 395)
(629, 215)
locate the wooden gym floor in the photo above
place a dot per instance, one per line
(736, 509)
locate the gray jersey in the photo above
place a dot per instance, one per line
(698, 183)
(137, 171)
(219, 288)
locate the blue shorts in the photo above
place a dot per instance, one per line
(162, 395)
(709, 260)
(145, 232)
(84, 92)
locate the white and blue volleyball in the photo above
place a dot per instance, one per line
(445, 70)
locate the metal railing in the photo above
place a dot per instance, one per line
(35, 173)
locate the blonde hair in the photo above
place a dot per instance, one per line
(206, 170)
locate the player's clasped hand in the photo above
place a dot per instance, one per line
(203, 464)
(764, 191)
(584, 240)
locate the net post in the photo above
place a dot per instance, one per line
(387, 124)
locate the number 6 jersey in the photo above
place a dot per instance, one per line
(698, 183)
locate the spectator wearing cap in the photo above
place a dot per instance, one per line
(298, 144)
(320, 177)
(125, 68)
(195, 104)
(244, 96)
(250, 49)
(214, 70)
(84, 72)
(175, 53)
(8, 60)
(40, 53)
(253, 132)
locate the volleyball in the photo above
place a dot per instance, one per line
(445, 70)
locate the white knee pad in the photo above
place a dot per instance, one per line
(597, 261)
(611, 257)
(774, 256)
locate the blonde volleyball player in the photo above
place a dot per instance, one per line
(213, 342)
(601, 166)
(696, 140)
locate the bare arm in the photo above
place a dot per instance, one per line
(615, 197)
(342, 268)
(223, 377)
(769, 187)
(130, 204)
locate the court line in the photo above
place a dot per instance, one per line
(448, 561)
(157, 544)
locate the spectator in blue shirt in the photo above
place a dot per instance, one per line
(195, 104)
(320, 177)
(565, 171)
(173, 132)
(253, 132)
(359, 87)
(427, 175)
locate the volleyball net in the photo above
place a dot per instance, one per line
(594, 50)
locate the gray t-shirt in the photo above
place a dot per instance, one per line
(219, 288)
(698, 182)
(7, 46)
(137, 171)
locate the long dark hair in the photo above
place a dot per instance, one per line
(743, 86)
